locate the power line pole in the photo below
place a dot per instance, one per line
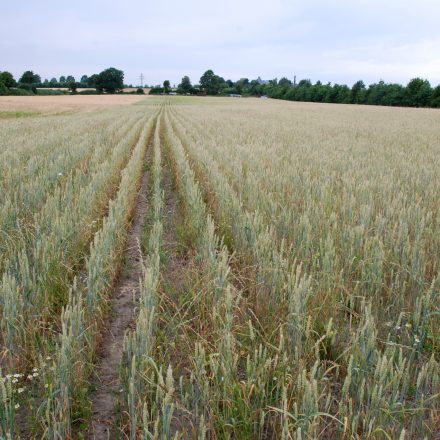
(142, 80)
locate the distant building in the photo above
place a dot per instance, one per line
(234, 95)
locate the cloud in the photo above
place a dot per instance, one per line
(338, 41)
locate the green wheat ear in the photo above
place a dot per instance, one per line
(286, 283)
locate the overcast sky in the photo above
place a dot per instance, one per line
(338, 41)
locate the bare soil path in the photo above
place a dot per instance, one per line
(178, 278)
(121, 318)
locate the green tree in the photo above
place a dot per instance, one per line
(376, 93)
(185, 85)
(304, 90)
(30, 78)
(92, 81)
(418, 93)
(110, 80)
(394, 95)
(166, 86)
(241, 85)
(73, 86)
(53, 82)
(156, 90)
(255, 88)
(3, 88)
(62, 79)
(358, 92)
(435, 97)
(7, 79)
(284, 82)
(211, 83)
(84, 81)
(70, 79)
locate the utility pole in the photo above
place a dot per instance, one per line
(142, 80)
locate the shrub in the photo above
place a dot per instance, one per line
(20, 92)
(46, 92)
(156, 90)
(28, 88)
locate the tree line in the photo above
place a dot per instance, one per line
(417, 93)
(110, 80)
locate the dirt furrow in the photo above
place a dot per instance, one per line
(106, 380)
(179, 278)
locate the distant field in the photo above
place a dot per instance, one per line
(65, 89)
(215, 268)
(68, 103)
(82, 89)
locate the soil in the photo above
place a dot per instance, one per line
(177, 270)
(175, 279)
(121, 318)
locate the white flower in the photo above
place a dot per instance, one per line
(60, 174)
(30, 377)
(20, 390)
(35, 375)
(17, 405)
(14, 380)
(34, 369)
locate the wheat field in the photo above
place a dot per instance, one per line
(12, 106)
(210, 268)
